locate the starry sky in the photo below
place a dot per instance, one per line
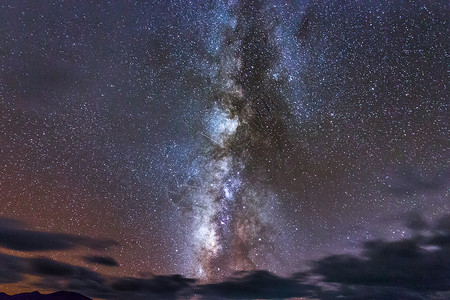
(200, 138)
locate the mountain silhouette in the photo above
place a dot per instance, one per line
(39, 296)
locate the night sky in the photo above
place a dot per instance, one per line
(141, 139)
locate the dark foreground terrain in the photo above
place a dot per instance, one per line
(39, 296)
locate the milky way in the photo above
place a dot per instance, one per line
(253, 131)
(246, 123)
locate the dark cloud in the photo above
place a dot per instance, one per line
(48, 267)
(406, 264)
(159, 287)
(441, 236)
(443, 224)
(54, 275)
(416, 222)
(10, 223)
(414, 268)
(257, 285)
(15, 237)
(376, 292)
(45, 266)
(400, 264)
(11, 269)
(51, 275)
(101, 260)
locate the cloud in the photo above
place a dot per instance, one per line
(95, 285)
(402, 264)
(53, 275)
(101, 260)
(443, 224)
(14, 236)
(415, 268)
(375, 292)
(159, 287)
(11, 269)
(45, 266)
(416, 222)
(257, 284)
(441, 236)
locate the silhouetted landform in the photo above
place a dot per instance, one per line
(39, 296)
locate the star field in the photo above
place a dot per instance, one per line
(209, 137)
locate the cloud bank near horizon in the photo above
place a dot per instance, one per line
(413, 268)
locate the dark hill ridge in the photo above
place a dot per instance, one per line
(39, 296)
